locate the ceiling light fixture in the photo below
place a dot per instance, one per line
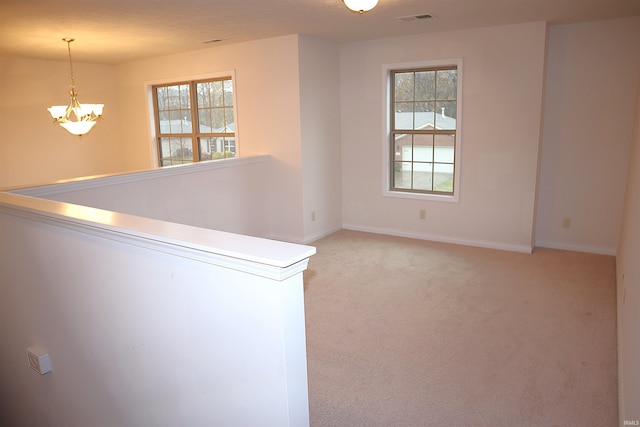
(360, 6)
(76, 118)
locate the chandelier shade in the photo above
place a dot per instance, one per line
(76, 118)
(360, 6)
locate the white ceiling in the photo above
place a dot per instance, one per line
(116, 31)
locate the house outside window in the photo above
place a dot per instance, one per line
(194, 121)
(423, 139)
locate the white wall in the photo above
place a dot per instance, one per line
(320, 126)
(503, 86)
(495, 207)
(35, 151)
(268, 109)
(591, 82)
(628, 279)
(228, 195)
(146, 322)
(270, 106)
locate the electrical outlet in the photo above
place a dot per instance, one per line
(38, 360)
(566, 222)
(313, 215)
(423, 214)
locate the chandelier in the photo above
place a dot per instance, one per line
(360, 6)
(76, 118)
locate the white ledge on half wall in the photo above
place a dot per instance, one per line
(128, 177)
(268, 258)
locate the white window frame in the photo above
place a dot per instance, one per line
(386, 131)
(151, 121)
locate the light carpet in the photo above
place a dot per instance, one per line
(404, 332)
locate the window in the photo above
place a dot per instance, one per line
(188, 131)
(423, 137)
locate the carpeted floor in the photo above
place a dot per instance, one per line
(404, 332)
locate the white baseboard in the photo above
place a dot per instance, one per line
(288, 239)
(320, 235)
(442, 239)
(306, 239)
(599, 250)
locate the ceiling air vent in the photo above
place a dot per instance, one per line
(414, 18)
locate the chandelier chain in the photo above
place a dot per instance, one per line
(73, 80)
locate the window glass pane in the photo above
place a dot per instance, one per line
(165, 152)
(213, 147)
(228, 92)
(218, 120)
(185, 99)
(407, 151)
(175, 151)
(445, 115)
(203, 95)
(174, 97)
(175, 122)
(181, 150)
(445, 148)
(404, 107)
(403, 117)
(219, 147)
(228, 120)
(422, 176)
(217, 92)
(206, 148)
(423, 148)
(179, 122)
(421, 107)
(163, 118)
(443, 177)
(446, 84)
(404, 84)
(161, 95)
(186, 121)
(425, 85)
(425, 119)
(401, 141)
(212, 94)
(205, 119)
(174, 112)
(230, 146)
(402, 175)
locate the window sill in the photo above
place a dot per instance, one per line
(426, 197)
